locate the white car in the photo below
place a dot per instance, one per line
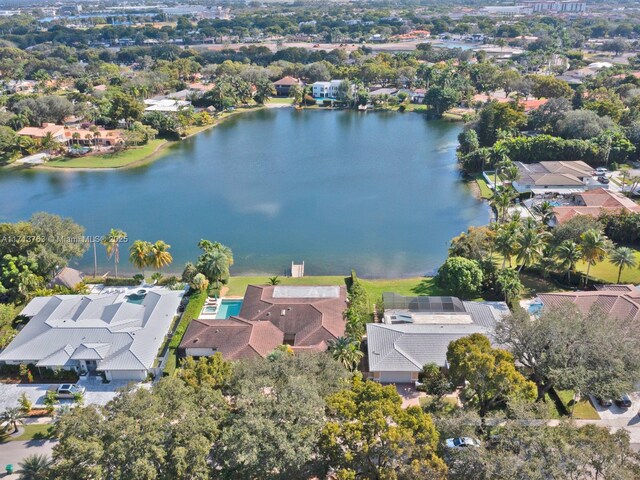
(67, 390)
(601, 171)
(462, 442)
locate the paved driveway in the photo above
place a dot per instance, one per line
(97, 393)
(15, 452)
(616, 413)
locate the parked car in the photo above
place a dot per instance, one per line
(603, 179)
(67, 390)
(462, 442)
(605, 402)
(624, 401)
(601, 170)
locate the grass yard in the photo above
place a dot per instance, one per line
(375, 288)
(33, 431)
(583, 410)
(485, 191)
(281, 100)
(111, 160)
(608, 272)
(196, 302)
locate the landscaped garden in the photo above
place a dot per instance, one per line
(111, 160)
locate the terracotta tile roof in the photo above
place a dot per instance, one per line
(267, 317)
(41, 132)
(595, 202)
(288, 80)
(623, 304)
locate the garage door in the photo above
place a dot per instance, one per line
(137, 375)
(395, 377)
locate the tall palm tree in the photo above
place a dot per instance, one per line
(595, 247)
(622, 257)
(346, 351)
(139, 254)
(501, 203)
(568, 253)
(544, 210)
(214, 264)
(159, 254)
(504, 244)
(111, 242)
(529, 246)
(12, 417)
(34, 467)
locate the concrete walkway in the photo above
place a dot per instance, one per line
(14, 452)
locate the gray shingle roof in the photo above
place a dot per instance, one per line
(117, 334)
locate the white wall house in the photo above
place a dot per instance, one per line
(116, 334)
(327, 90)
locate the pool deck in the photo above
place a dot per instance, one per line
(214, 315)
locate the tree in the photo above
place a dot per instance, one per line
(550, 87)
(346, 351)
(199, 282)
(595, 247)
(12, 417)
(475, 244)
(210, 371)
(214, 265)
(139, 254)
(264, 91)
(124, 107)
(583, 124)
(568, 254)
(505, 244)
(25, 403)
(273, 280)
(510, 285)
(530, 245)
(34, 467)
(159, 255)
(544, 210)
(460, 276)
(441, 99)
(297, 93)
(111, 242)
(433, 381)
(495, 117)
(491, 376)
(623, 257)
(64, 240)
(369, 435)
(588, 352)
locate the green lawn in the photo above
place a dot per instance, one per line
(375, 288)
(196, 302)
(608, 272)
(33, 431)
(110, 160)
(282, 100)
(583, 410)
(485, 191)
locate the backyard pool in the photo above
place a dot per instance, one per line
(229, 308)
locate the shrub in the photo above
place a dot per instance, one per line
(460, 276)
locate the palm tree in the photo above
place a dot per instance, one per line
(75, 136)
(346, 351)
(622, 257)
(12, 417)
(139, 254)
(510, 172)
(529, 246)
(48, 142)
(274, 280)
(214, 264)
(568, 253)
(19, 121)
(544, 210)
(504, 244)
(594, 247)
(501, 203)
(111, 242)
(160, 256)
(34, 467)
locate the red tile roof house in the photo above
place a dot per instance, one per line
(305, 317)
(283, 86)
(594, 203)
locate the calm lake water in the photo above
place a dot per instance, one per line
(378, 192)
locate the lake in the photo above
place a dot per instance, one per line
(378, 192)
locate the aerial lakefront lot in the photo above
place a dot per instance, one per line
(379, 192)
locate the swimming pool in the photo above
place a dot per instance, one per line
(229, 308)
(535, 308)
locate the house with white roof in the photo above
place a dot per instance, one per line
(165, 105)
(116, 334)
(417, 331)
(328, 90)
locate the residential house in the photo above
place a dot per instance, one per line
(117, 334)
(165, 105)
(99, 136)
(567, 177)
(417, 330)
(328, 90)
(67, 277)
(594, 203)
(304, 317)
(56, 131)
(283, 86)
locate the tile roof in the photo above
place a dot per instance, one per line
(269, 313)
(68, 277)
(619, 301)
(118, 334)
(288, 80)
(407, 347)
(568, 173)
(41, 132)
(594, 203)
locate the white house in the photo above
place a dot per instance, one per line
(566, 177)
(328, 90)
(118, 334)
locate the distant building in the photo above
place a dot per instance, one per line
(417, 330)
(283, 86)
(165, 105)
(328, 90)
(553, 6)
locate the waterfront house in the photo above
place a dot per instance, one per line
(328, 90)
(304, 317)
(567, 177)
(38, 133)
(165, 105)
(417, 330)
(118, 334)
(97, 136)
(283, 86)
(594, 203)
